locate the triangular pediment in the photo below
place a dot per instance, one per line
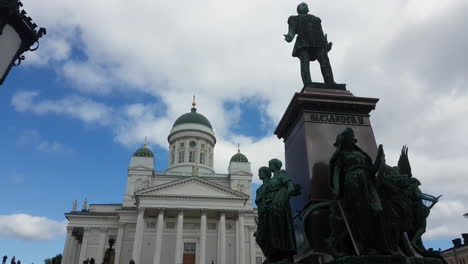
(195, 187)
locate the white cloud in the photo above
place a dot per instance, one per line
(56, 48)
(30, 228)
(446, 221)
(87, 77)
(33, 138)
(75, 106)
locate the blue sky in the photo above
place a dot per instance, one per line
(77, 108)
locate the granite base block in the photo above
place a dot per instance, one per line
(383, 259)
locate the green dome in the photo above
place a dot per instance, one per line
(192, 118)
(143, 152)
(239, 157)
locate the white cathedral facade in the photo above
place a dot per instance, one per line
(187, 214)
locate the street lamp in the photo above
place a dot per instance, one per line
(17, 35)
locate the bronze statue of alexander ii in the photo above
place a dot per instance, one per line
(311, 44)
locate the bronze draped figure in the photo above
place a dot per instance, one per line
(378, 209)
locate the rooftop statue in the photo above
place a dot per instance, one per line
(275, 233)
(311, 43)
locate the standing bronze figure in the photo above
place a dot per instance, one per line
(311, 44)
(275, 233)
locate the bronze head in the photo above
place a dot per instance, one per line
(302, 8)
(264, 173)
(275, 165)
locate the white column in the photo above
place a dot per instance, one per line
(74, 246)
(77, 252)
(203, 237)
(237, 241)
(179, 242)
(101, 245)
(137, 244)
(67, 248)
(252, 244)
(241, 239)
(222, 238)
(159, 236)
(118, 243)
(84, 245)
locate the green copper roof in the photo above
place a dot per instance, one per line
(239, 157)
(143, 152)
(194, 118)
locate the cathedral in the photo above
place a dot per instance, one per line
(187, 214)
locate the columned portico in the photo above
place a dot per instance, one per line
(159, 235)
(179, 242)
(203, 237)
(222, 238)
(137, 244)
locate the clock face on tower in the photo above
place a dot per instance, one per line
(193, 144)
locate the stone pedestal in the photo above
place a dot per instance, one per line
(309, 127)
(379, 259)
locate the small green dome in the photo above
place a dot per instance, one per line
(239, 157)
(194, 118)
(143, 152)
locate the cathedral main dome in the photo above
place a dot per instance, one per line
(191, 144)
(193, 118)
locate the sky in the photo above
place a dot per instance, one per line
(111, 72)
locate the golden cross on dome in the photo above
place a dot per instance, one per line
(146, 141)
(194, 103)
(238, 148)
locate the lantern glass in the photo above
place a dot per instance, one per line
(10, 43)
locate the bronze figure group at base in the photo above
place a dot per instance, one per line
(377, 209)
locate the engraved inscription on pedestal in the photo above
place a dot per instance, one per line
(332, 118)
